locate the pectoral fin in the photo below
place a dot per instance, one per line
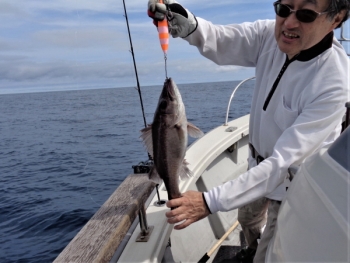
(194, 131)
(154, 176)
(146, 136)
(185, 172)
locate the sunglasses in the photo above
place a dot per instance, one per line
(303, 15)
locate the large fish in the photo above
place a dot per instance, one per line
(166, 139)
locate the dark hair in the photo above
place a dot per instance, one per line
(336, 6)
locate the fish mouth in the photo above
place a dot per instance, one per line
(171, 94)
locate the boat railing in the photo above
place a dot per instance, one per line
(232, 95)
(104, 233)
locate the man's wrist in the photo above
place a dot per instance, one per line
(205, 202)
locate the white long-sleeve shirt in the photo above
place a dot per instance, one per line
(304, 112)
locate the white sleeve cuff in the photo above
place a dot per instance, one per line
(211, 202)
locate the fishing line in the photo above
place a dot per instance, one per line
(166, 69)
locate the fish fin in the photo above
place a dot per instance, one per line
(185, 172)
(146, 136)
(154, 176)
(194, 131)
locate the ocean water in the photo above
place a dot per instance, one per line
(62, 154)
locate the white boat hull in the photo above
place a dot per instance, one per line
(219, 156)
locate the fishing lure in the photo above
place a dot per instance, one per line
(163, 32)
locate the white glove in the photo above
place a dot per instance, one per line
(181, 22)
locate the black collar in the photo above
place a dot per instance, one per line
(320, 47)
(304, 55)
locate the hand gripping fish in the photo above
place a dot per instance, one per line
(166, 139)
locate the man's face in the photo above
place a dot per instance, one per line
(294, 36)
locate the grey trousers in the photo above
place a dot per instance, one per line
(252, 218)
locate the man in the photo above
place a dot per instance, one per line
(301, 88)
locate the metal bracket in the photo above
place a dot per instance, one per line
(146, 230)
(144, 237)
(231, 129)
(232, 148)
(159, 203)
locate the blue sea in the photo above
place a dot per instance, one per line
(62, 154)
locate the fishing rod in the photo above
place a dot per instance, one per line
(142, 167)
(133, 58)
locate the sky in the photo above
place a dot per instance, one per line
(83, 44)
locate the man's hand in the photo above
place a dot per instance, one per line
(181, 22)
(191, 207)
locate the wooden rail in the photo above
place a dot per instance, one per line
(100, 237)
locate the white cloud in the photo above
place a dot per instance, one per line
(7, 45)
(82, 38)
(7, 8)
(85, 42)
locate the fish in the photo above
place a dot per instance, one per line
(166, 140)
